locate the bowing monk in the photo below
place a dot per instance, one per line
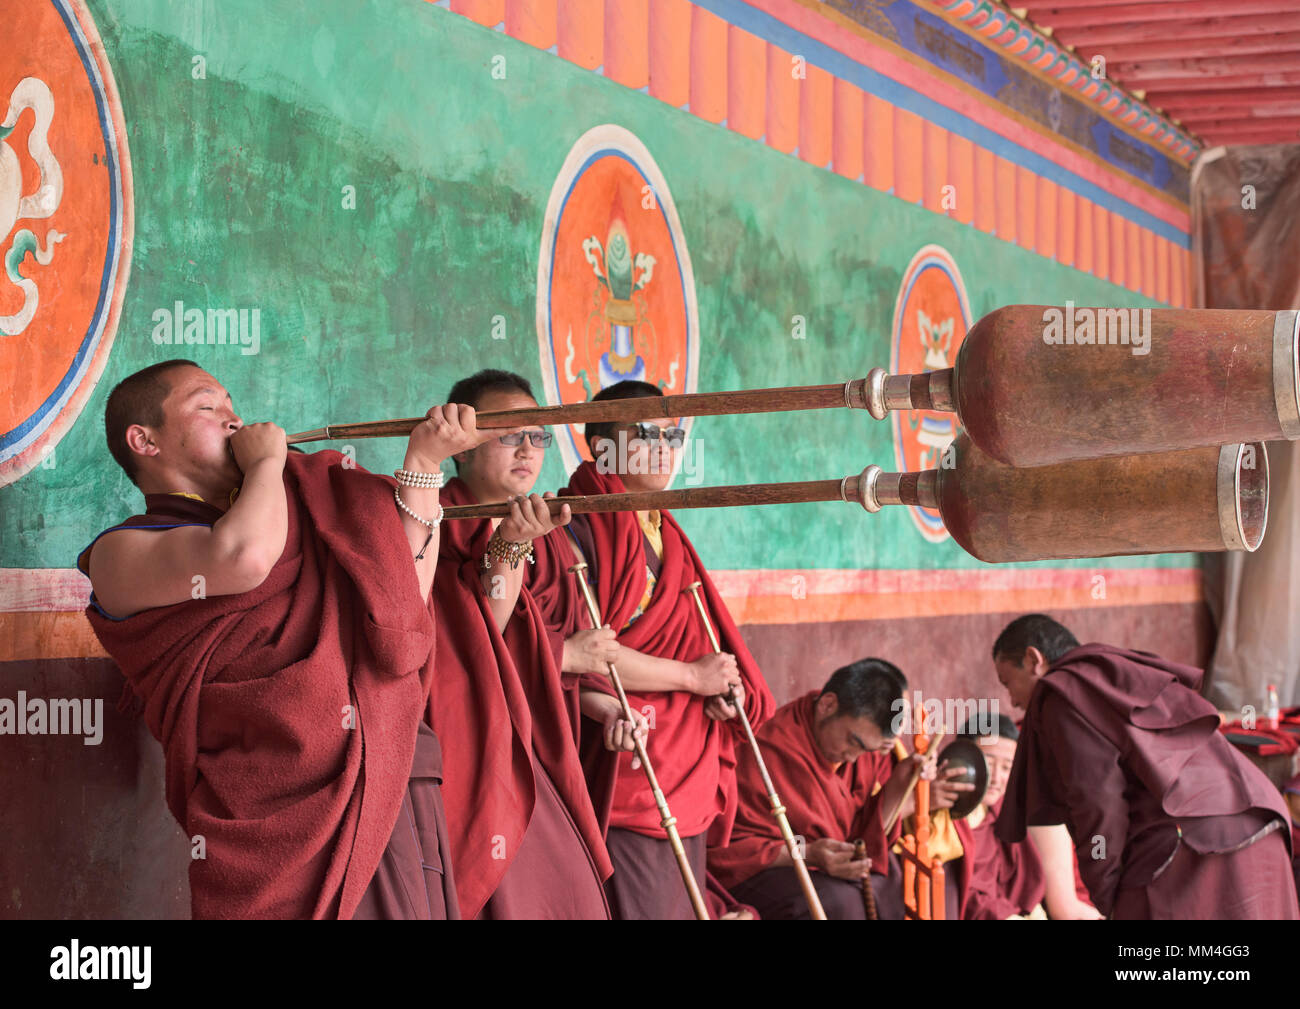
(828, 753)
(640, 565)
(524, 835)
(270, 611)
(1168, 819)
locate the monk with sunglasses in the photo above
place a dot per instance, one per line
(641, 565)
(506, 696)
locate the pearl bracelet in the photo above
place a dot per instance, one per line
(418, 480)
(397, 496)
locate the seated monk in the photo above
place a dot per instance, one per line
(999, 881)
(639, 566)
(524, 835)
(828, 753)
(1168, 819)
(266, 611)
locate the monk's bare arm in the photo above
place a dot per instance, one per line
(446, 430)
(709, 675)
(1056, 854)
(133, 570)
(529, 518)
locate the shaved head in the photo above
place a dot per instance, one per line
(138, 399)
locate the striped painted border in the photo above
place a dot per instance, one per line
(1002, 28)
(41, 609)
(1053, 199)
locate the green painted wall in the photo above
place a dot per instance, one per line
(374, 312)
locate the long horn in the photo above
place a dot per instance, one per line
(692, 404)
(1148, 380)
(1194, 501)
(667, 820)
(778, 808)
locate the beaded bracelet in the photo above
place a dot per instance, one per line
(397, 496)
(432, 525)
(418, 480)
(508, 551)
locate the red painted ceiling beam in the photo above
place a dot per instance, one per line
(1238, 98)
(1132, 75)
(1238, 139)
(1192, 114)
(1158, 31)
(1288, 126)
(1034, 6)
(1060, 18)
(1177, 45)
(1239, 83)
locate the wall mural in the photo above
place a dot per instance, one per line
(65, 225)
(615, 290)
(931, 317)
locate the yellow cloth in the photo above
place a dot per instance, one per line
(194, 497)
(652, 526)
(944, 844)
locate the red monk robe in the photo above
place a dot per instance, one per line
(821, 800)
(289, 715)
(524, 836)
(1119, 746)
(694, 756)
(1004, 879)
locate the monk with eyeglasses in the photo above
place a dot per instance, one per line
(641, 565)
(505, 697)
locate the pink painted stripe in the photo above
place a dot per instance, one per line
(859, 49)
(28, 590)
(743, 584)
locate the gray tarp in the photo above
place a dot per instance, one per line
(1249, 257)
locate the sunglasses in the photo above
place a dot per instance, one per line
(675, 436)
(539, 439)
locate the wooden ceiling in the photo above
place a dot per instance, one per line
(1227, 71)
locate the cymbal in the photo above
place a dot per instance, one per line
(966, 754)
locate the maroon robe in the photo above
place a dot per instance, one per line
(1120, 747)
(821, 800)
(693, 755)
(524, 836)
(1005, 878)
(289, 715)
(1295, 854)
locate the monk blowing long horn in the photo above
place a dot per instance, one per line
(667, 820)
(778, 809)
(1033, 384)
(1198, 500)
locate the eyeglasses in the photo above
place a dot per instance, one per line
(675, 436)
(539, 439)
